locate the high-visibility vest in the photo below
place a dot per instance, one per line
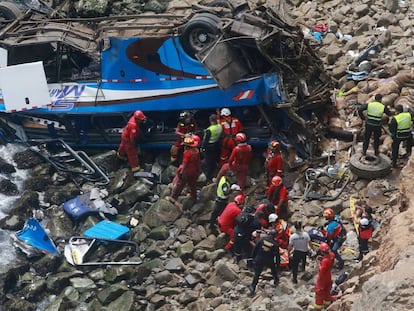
(374, 113)
(404, 124)
(215, 130)
(223, 188)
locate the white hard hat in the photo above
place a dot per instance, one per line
(225, 112)
(364, 222)
(272, 217)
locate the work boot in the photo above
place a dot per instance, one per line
(294, 280)
(136, 169)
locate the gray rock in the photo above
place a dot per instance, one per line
(163, 277)
(125, 302)
(27, 159)
(193, 278)
(58, 281)
(391, 5)
(212, 292)
(140, 232)
(162, 212)
(188, 296)
(185, 250)
(34, 290)
(223, 272)
(174, 264)
(158, 301)
(159, 233)
(170, 291)
(119, 273)
(208, 244)
(335, 205)
(82, 284)
(6, 168)
(110, 293)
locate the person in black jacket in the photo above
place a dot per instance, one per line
(247, 223)
(266, 254)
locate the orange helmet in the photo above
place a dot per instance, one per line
(139, 115)
(239, 199)
(241, 137)
(277, 180)
(274, 144)
(188, 141)
(324, 247)
(328, 213)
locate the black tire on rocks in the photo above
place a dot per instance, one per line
(370, 166)
(222, 4)
(9, 11)
(199, 32)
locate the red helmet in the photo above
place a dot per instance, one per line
(274, 144)
(139, 115)
(328, 213)
(324, 247)
(277, 180)
(196, 141)
(241, 137)
(239, 199)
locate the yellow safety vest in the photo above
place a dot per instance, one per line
(223, 188)
(375, 111)
(404, 124)
(215, 130)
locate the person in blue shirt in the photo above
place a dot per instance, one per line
(335, 234)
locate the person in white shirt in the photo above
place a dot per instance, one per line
(299, 246)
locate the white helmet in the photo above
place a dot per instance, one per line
(364, 222)
(225, 112)
(272, 217)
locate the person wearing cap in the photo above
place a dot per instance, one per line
(400, 127)
(189, 170)
(231, 126)
(278, 195)
(128, 147)
(273, 161)
(265, 254)
(374, 111)
(323, 283)
(186, 127)
(227, 220)
(210, 146)
(299, 245)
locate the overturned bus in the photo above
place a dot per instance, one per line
(95, 72)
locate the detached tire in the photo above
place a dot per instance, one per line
(370, 166)
(9, 11)
(222, 4)
(199, 32)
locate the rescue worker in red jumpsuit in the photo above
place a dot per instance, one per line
(130, 133)
(185, 127)
(273, 161)
(267, 208)
(190, 169)
(231, 126)
(227, 220)
(323, 284)
(277, 194)
(282, 228)
(240, 158)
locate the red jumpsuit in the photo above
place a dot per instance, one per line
(283, 234)
(129, 137)
(231, 126)
(182, 129)
(227, 221)
(279, 197)
(273, 165)
(187, 173)
(324, 281)
(239, 162)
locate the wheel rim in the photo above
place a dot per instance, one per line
(369, 159)
(200, 38)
